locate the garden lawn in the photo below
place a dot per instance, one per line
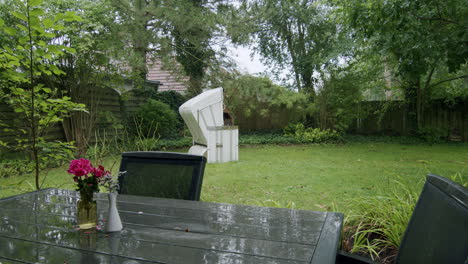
(315, 177)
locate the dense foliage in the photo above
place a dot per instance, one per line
(155, 118)
(413, 51)
(172, 98)
(423, 42)
(28, 53)
(337, 102)
(311, 135)
(151, 30)
(295, 35)
(90, 71)
(248, 96)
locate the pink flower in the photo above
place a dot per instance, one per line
(80, 167)
(99, 171)
(79, 172)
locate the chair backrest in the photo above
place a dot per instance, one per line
(438, 229)
(203, 111)
(162, 174)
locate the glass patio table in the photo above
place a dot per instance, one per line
(40, 227)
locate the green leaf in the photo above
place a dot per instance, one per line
(70, 49)
(22, 27)
(59, 17)
(41, 43)
(58, 27)
(49, 35)
(52, 48)
(35, 2)
(8, 49)
(48, 22)
(19, 15)
(37, 12)
(71, 16)
(1, 22)
(14, 63)
(10, 31)
(39, 29)
(56, 70)
(23, 40)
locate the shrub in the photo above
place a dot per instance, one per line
(337, 102)
(165, 144)
(250, 99)
(11, 168)
(311, 135)
(155, 118)
(431, 135)
(172, 98)
(267, 138)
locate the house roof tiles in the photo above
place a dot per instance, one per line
(169, 80)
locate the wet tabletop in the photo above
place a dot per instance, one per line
(40, 227)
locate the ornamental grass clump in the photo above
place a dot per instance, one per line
(377, 226)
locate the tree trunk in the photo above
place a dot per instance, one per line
(195, 86)
(412, 108)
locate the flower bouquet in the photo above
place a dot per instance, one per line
(87, 178)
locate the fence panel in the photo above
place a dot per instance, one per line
(449, 121)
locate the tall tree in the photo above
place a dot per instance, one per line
(422, 37)
(90, 69)
(295, 35)
(168, 29)
(192, 28)
(139, 30)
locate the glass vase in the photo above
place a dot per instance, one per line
(87, 211)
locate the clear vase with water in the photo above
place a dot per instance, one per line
(87, 211)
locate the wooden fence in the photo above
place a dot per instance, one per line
(276, 119)
(378, 118)
(447, 121)
(113, 109)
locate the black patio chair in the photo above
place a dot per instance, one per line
(438, 229)
(162, 174)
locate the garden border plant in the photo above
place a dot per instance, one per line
(23, 61)
(377, 226)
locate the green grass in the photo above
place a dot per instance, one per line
(375, 184)
(314, 177)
